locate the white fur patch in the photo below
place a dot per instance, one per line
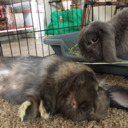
(14, 87)
(0, 88)
(3, 74)
(43, 112)
(22, 109)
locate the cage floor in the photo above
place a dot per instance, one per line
(26, 47)
(116, 118)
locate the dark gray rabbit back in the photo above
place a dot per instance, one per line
(120, 24)
(45, 86)
(106, 41)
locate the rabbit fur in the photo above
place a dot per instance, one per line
(46, 86)
(106, 41)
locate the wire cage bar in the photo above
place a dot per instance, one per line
(25, 23)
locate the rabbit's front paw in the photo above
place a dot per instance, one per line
(22, 110)
(29, 109)
(112, 60)
(43, 112)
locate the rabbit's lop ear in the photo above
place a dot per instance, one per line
(119, 97)
(108, 43)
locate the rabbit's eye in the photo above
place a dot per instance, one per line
(89, 43)
(83, 106)
(94, 39)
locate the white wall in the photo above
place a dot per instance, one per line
(48, 11)
(102, 13)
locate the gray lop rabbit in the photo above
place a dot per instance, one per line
(106, 41)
